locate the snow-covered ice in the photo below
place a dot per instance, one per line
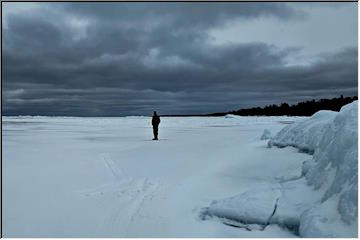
(328, 208)
(333, 171)
(104, 177)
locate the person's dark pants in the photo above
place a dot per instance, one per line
(155, 129)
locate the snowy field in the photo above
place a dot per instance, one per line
(105, 177)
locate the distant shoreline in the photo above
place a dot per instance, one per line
(300, 109)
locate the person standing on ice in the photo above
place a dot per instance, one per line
(155, 123)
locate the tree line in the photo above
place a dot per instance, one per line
(306, 108)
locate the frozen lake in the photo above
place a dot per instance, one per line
(105, 177)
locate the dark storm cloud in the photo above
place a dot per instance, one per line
(111, 59)
(194, 14)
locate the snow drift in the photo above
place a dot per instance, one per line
(322, 201)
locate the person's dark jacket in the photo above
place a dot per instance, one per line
(155, 121)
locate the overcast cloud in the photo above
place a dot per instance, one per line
(116, 59)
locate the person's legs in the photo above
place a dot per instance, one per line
(155, 129)
(155, 133)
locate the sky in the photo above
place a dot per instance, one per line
(121, 59)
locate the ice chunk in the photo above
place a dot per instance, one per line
(333, 171)
(322, 221)
(325, 202)
(266, 134)
(254, 206)
(305, 135)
